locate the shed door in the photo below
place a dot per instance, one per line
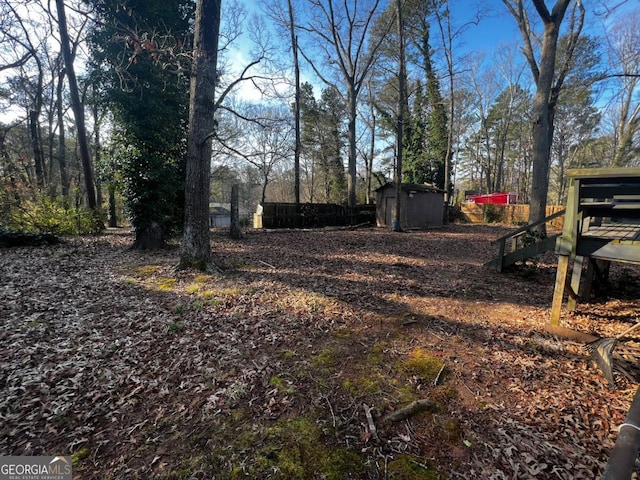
(389, 204)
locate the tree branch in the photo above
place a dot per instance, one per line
(542, 10)
(519, 13)
(574, 35)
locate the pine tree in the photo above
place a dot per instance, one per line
(436, 120)
(323, 140)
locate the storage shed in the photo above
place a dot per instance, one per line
(220, 214)
(421, 205)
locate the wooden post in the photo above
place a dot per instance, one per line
(575, 282)
(235, 232)
(558, 292)
(500, 258)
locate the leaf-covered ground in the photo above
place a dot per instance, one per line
(288, 364)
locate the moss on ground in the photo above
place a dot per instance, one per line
(423, 364)
(296, 449)
(407, 467)
(290, 449)
(145, 271)
(166, 284)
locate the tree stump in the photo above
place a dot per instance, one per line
(150, 237)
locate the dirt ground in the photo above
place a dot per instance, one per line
(300, 360)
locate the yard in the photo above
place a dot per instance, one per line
(292, 363)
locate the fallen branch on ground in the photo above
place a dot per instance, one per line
(409, 411)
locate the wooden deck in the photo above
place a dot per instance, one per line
(602, 224)
(627, 232)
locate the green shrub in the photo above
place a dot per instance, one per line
(492, 214)
(46, 215)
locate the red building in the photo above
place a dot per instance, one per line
(498, 198)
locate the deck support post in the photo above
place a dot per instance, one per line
(576, 275)
(558, 291)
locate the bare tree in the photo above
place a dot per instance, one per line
(78, 110)
(486, 88)
(400, 117)
(264, 142)
(369, 153)
(340, 31)
(286, 20)
(448, 36)
(196, 242)
(19, 34)
(296, 102)
(62, 152)
(624, 47)
(548, 83)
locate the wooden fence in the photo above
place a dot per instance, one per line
(309, 215)
(306, 215)
(509, 214)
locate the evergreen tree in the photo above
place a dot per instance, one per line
(426, 130)
(323, 140)
(437, 117)
(149, 104)
(416, 163)
(426, 136)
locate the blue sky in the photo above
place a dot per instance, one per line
(497, 27)
(484, 29)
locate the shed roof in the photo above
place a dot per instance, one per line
(414, 187)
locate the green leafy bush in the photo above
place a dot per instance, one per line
(46, 215)
(492, 214)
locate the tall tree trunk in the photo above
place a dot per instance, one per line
(36, 145)
(62, 151)
(351, 170)
(34, 127)
(113, 220)
(402, 79)
(78, 112)
(372, 150)
(543, 125)
(296, 104)
(448, 159)
(545, 98)
(98, 151)
(263, 191)
(196, 242)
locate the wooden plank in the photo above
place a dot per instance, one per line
(614, 250)
(614, 231)
(569, 334)
(576, 274)
(528, 227)
(609, 191)
(605, 207)
(524, 253)
(622, 172)
(558, 291)
(500, 258)
(566, 244)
